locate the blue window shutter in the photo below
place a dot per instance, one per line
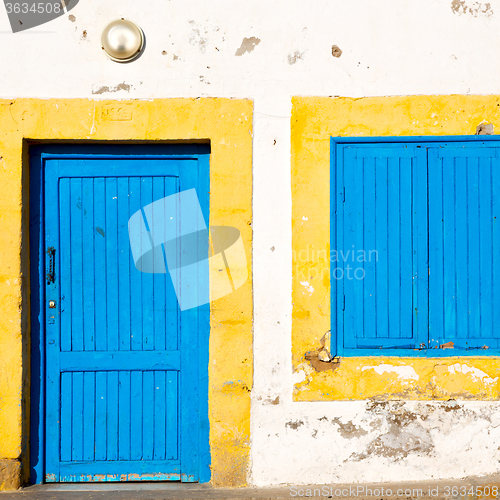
(381, 260)
(464, 243)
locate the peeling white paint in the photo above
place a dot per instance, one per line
(476, 373)
(403, 372)
(307, 286)
(305, 218)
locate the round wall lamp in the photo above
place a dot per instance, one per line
(122, 40)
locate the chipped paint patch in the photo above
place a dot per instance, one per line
(349, 430)
(307, 286)
(403, 372)
(294, 424)
(198, 38)
(296, 56)
(476, 373)
(336, 51)
(485, 129)
(474, 9)
(247, 45)
(105, 89)
(397, 378)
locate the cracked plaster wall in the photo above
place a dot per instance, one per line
(388, 47)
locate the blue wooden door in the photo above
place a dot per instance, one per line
(125, 379)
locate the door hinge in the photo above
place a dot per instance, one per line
(342, 193)
(343, 302)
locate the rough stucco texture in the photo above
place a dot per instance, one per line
(10, 474)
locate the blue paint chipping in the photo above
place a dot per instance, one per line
(119, 373)
(415, 269)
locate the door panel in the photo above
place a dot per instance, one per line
(109, 304)
(464, 188)
(382, 251)
(120, 402)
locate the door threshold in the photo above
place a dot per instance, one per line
(117, 486)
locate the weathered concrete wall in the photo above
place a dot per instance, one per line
(269, 52)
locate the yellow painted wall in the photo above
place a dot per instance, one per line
(314, 120)
(227, 123)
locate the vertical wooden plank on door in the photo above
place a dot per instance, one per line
(66, 413)
(369, 206)
(436, 247)
(65, 258)
(78, 420)
(407, 166)
(74, 213)
(113, 415)
(449, 247)
(100, 269)
(486, 222)
(88, 291)
(136, 415)
(462, 263)
(394, 271)
(159, 278)
(338, 300)
(88, 415)
(172, 311)
(124, 265)
(125, 404)
(113, 297)
(472, 239)
(147, 281)
(172, 396)
(112, 249)
(421, 259)
(101, 413)
(495, 243)
(160, 416)
(148, 416)
(381, 236)
(136, 299)
(356, 197)
(352, 207)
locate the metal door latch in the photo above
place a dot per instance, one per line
(51, 275)
(52, 304)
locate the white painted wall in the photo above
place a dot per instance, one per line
(390, 47)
